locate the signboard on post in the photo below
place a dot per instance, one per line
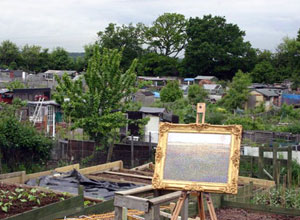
(198, 157)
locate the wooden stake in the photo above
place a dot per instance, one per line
(201, 107)
(201, 212)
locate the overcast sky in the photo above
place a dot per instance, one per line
(74, 23)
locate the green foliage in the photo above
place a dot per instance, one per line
(128, 38)
(152, 64)
(216, 48)
(20, 143)
(167, 35)
(60, 59)
(247, 122)
(14, 85)
(31, 58)
(171, 92)
(281, 197)
(9, 53)
(99, 108)
(238, 91)
(196, 94)
(215, 115)
(263, 72)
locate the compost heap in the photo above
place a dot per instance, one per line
(68, 182)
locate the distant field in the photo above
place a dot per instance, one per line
(197, 162)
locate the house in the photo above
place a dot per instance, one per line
(49, 74)
(144, 96)
(269, 97)
(6, 96)
(205, 80)
(32, 94)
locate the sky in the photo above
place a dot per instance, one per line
(71, 24)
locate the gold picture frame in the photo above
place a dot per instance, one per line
(177, 157)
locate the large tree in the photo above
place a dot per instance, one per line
(60, 59)
(287, 59)
(167, 35)
(264, 72)
(128, 38)
(98, 107)
(238, 92)
(9, 54)
(216, 48)
(30, 56)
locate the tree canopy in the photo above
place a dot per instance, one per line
(98, 107)
(171, 92)
(167, 35)
(238, 92)
(216, 48)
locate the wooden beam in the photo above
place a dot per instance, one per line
(107, 166)
(131, 202)
(142, 189)
(256, 182)
(128, 174)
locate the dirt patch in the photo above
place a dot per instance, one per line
(241, 214)
(15, 200)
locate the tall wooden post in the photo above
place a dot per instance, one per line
(275, 164)
(289, 167)
(261, 162)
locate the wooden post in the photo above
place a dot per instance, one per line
(132, 152)
(150, 147)
(118, 213)
(289, 167)
(275, 165)
(261, 163)
(251, 166)
(200, 110)
(201, 206)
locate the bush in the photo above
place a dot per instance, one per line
(247, 123)
(20, 143)
(171, 92)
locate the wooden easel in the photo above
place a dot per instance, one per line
(200, 195)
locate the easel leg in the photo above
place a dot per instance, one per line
(179, 205)
(201, 206)
(210, 207)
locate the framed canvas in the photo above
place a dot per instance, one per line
(198, 157)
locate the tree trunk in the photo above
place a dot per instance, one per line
(110, 152)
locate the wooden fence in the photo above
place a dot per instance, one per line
(244, 200)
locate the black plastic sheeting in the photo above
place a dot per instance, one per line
(68, 182)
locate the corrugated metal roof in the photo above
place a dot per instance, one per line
(205, 77)
(267, 92)
(152, 110)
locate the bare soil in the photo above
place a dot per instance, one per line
(20, 207)
(241, 214)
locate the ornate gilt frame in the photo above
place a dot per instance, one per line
(230, 187)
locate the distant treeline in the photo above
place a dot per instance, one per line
(172, 46)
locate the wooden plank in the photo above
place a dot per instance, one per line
(165, 198)
(147, 188)
(102, 167)
(10, 175)
(129, 175)
(103, 207)
(256, 182)
(142, 167)
(113, 180)
(132, 202)
(13, 180)
(262, 208)
(118, 213)
(68, 168)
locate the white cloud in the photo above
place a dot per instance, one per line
(74, 23)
